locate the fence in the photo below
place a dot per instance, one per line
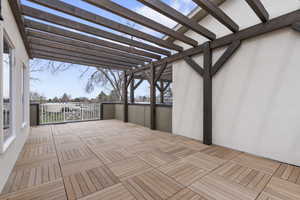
(50, 113)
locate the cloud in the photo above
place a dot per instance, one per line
(183, 6)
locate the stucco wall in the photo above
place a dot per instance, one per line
(255, 100)
(7, 160)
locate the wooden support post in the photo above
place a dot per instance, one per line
(125, 98)
(1, 10)
(152, 98)
(162, 92)
(132, 91)
(207, 96)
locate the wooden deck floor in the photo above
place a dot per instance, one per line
(111, 160)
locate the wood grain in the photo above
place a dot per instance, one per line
(111, 160)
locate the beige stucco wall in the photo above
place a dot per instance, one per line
(255, 100)
(7, 160)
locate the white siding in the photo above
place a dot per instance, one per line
(255, 96)
(8, 159)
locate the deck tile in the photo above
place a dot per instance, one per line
(49, 191)
(111, 160)
(279, 189)
(261, 164)
(128, 168)
(152, 185)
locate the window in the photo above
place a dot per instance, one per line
(23, 97)
(7, 94)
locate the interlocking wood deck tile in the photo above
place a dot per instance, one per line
(157, 158)
(33, 174)
(128, 168)
(80, 165)
(217, 188)
(221, 152)
(126, 142)
(178, 151)
(90, 158)
(89, 181)
(160, 143)
(113, 155)
(39, 139)
(279, 189)
(232, 181)
(67, 139)
(289, 173)
(261, 164)
(204, 161)
(194, 144)
(152, 185)
(93, 141)
(186, 194)
(116, 192)
(140, 148)
(183, 172)
(74, 152)
(33, 152)
(50, 191)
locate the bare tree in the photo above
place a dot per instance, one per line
(97, 77)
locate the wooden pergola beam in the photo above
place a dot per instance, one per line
(172, 13)
(194, 65)
(296, 26)
(73, 57)
(138, 84)
(160, 72)
(73, 45)
(16, 9)
(140, 19)
(217, 13)
(67, 59)
(112, 48)
(39, 48)
(272, 25)
(86, 15)
(225, 57)
(39, 14)
(259, 9)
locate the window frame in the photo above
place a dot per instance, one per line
(4, 145)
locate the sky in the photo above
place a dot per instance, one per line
(69, 81)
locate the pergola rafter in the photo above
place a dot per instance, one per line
(83, 14)
(133, 16)
(172, 13)
(150, 59)
(41, 15)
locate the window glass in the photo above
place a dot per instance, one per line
(7, 94)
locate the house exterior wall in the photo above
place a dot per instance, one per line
(21, 129)
(255, 100)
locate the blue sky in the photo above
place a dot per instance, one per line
(69, 81)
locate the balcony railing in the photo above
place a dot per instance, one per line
(50, 113)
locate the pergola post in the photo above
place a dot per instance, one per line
(125, 97)
(152, 98)
(207, 95)
(1, 10)
(162, 92)
(132, 91)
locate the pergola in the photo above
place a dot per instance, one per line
(149, 59)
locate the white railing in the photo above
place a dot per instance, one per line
(68, 112)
